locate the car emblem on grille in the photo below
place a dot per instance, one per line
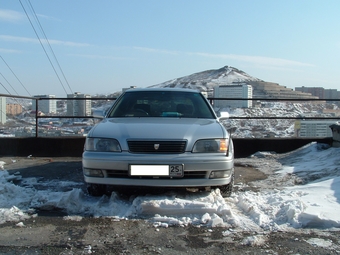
(156, 146)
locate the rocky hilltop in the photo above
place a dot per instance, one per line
(206, 81)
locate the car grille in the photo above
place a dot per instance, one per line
(157, 146)
(124, 174)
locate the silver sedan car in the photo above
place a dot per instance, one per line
(159, 138)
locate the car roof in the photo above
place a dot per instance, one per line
(161, 89)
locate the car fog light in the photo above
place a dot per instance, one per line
(93, 172)
(219, 174)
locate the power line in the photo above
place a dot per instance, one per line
(15, 75)
(15, 99)
(8, 84)
(5, 88)
(55, 71)
(43, 32)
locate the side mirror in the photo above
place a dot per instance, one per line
(100, 114)
(223, 115)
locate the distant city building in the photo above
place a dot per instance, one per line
(321, 93)
(3, 110)
(332, 94)
(315, 91)
(45, 105)
(13, 109)
(80, 107)
(233, 91)
(313, 128)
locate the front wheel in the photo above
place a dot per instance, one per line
(96, 190)
(227, 190)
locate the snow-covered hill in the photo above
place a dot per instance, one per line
(207, 80)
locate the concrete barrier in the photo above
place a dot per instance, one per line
(73, 146)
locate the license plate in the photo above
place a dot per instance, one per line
(157, 170)
(176, 170)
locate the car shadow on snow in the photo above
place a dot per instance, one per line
(54, 175)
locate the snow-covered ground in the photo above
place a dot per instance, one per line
(302, 191)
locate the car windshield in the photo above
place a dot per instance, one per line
(162, 104)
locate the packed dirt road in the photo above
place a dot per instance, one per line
(54, 232)
(54, 235)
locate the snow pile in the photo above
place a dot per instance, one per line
(313, 204)
(316, 203)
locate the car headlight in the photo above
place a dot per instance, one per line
(102, 145)
(211, 145)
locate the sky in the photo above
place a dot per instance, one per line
(302, 191)
(100, 47)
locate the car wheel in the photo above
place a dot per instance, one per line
(227, 190)
(96, 190)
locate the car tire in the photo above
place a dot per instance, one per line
(227, 190)
(96, 190)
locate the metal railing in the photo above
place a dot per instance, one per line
(211, 99)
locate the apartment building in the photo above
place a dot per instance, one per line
(46, 104)
(320, 92)
(3, 110)
(233, 91)
(13, 109)
(79, 107)
(315, 91)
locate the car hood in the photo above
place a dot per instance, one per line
(124, 129)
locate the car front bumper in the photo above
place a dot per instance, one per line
(197, 169)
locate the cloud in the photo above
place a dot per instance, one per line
(93, 56)
(257, 60)
(8, 51)
(33, 40)
(157, 50)
(11, 16)
(47, 17)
